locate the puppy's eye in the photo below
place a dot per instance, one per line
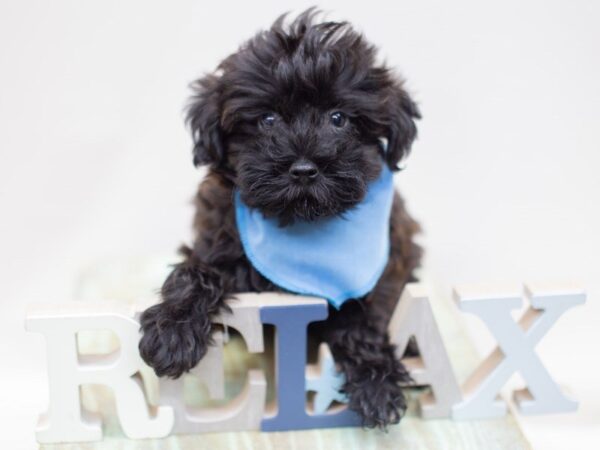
(268, 119)
(338, 119)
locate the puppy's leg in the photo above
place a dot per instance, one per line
(360, 345)
(177, 331)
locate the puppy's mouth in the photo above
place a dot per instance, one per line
(292, 202)
(308, 203)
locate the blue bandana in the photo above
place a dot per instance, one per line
(336, 258)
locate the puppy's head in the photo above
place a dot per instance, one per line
(295, 117)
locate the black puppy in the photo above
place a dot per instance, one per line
(293, 120)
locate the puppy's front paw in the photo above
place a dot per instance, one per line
(172, 346)
(377, 396)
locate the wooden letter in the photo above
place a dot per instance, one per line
(291, 315)
(67, 370)
(243, 413)
(413, 317)
(515, 352)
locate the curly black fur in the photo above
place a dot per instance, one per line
(182, 323)
(305, 93)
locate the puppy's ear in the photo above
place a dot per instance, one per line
(402, 129)
(203, 118)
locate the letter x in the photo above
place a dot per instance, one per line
(515, 353)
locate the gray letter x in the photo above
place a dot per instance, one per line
(515, 352)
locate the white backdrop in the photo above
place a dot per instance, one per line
(95, 162)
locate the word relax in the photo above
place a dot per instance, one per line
(479, 397)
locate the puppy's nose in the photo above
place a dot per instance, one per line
(304, 171)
